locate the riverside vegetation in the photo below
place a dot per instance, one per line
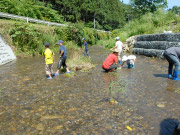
(28, 39)
(149, 23)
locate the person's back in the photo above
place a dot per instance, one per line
(130, 60)
(172, 55)
(174, 51)
(112, 58)
(119, 45)
(48, 54)
(63, 48)
(49, 60)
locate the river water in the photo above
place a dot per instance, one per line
(31, 104)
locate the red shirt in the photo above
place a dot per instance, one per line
(112, 58)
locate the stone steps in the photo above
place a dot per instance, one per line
(153, 45)
(160, 45)
(171, 37)
(148, 52)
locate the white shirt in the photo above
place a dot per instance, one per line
(130, 57)
(119, 45)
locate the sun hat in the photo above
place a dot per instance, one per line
(46, 44)
(115, 50)
(60, 41)
(117, 38)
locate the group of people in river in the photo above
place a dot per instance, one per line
(112, 62)
(49, 58)
(172, 55)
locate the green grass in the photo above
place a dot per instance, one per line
(149, 23)
(115, 88)
(78, 62)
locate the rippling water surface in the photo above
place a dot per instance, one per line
(31, 104)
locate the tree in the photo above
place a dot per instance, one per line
(143, 6)
(108, 14)
(175, 10)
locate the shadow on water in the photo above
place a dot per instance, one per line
(161, 75)
(168, 127)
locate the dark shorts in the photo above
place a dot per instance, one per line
(86, 53)
(62, 62)
(114, 66)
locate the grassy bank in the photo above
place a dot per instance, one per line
(27, 39)
(149, 23)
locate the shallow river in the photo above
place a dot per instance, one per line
(31, 104)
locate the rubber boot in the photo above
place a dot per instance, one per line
(120, 62)
(170, 72)
(175, 75)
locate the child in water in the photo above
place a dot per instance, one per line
(49, 60)
(129, 60)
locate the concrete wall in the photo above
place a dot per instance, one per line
(6, 53)
(155, 44)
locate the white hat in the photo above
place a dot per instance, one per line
(115, 50)
(117, 38)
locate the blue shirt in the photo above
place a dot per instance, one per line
(63, 48)
(86, 45)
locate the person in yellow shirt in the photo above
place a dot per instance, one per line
(49, 60)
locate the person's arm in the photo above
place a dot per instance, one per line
(61, 53)
(53, 59)
(123, 63)
(115, 60)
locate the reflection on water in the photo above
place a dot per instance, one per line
(31, 104)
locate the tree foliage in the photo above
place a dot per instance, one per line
(108, 14)
(176, 10)
(30, 8)
(144, 6)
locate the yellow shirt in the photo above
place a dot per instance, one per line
(48, 54)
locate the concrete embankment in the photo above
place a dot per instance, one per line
(6, 53)
(153, 44)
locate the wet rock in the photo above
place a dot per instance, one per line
(127, 114)
(161, 105)
(49, 117)
(78, 68)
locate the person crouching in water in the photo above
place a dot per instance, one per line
(111, 62)
(62, 58)
(49, 60)
(129, 60)
(172, 55)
